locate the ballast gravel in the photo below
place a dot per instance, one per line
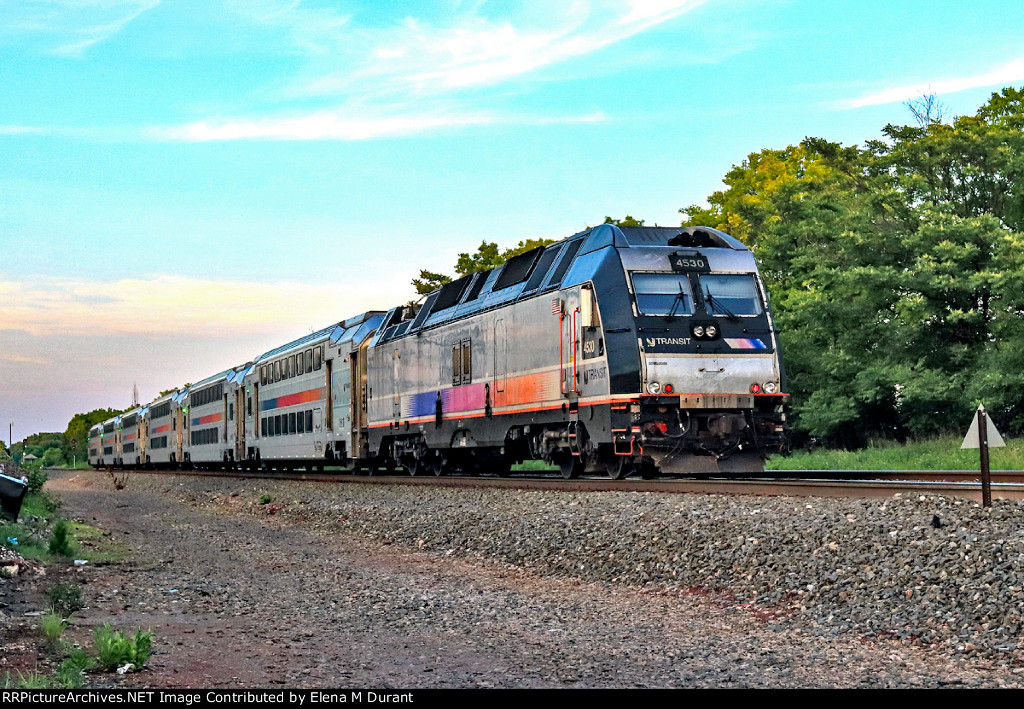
(931, 570)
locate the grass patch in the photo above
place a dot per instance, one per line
(266, 499)
(53, 627)
(929, 454)
(96, 545)
(29, 680)
(529, 466)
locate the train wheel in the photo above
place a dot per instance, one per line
(648, 470)
(570, 466)
(437, 465)
(618, 468)
(412, 464)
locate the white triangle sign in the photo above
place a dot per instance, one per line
(971, 439)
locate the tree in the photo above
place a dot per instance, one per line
(485, 258)
(627, 221)
(78, 431)
(927, 109)
(896, 271)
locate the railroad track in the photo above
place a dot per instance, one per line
(1006, 485)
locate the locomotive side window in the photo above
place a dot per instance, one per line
(317, 357)
(300, 358)
(663, 294)
(309, 360)
(730, 295)
(462, 362)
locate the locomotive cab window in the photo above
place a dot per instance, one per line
(663, 294)
(730, 295)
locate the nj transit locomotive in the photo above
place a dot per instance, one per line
(614, 351)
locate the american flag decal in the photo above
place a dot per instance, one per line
(556, 306)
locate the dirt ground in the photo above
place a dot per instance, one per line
(238, 600)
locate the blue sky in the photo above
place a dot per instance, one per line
(184, 185)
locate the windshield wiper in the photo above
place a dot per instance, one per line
(680, 296)
(717, 306)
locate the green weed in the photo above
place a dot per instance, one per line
(36, 480)
(114, 649)
(70, 674)
(53, 627)
(65, 598)
(266, 499)
(62, 543)
(31, 680)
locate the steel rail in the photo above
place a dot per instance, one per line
(800, 486)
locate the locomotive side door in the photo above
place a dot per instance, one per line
(570, 344)
(360, 438)
(240, 417)
(500, 361)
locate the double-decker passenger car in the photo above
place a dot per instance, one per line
(162, 426)
(299, 396)
(208, 414)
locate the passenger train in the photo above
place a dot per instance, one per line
(617, 350)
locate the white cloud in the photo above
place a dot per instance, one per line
(323, 125)
(1009, 73)
(417, 76)
(73, 25)
(328, 125)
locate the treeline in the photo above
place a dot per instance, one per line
(61, 449)
(896, 271)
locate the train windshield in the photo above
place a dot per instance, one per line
(730, 295)
(663, 293)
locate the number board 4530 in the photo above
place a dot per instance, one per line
(689, 262)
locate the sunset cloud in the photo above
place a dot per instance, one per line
(177, 305)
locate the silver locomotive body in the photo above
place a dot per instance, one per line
(613, 351)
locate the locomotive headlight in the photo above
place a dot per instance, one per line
(769, 387)
(653, 388)
(711, 331)
(698, 331)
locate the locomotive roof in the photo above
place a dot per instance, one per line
(546, 268)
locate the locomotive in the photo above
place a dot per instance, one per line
(617, 350)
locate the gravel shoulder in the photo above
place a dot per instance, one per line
(374, 586)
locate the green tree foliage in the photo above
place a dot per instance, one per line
(896, 272)
(78, 431)
(487, 256)
(627, 221)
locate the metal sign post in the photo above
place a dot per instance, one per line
(986, 476)
(982, 435)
